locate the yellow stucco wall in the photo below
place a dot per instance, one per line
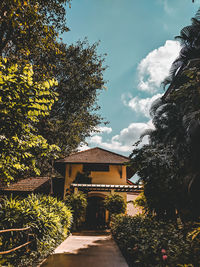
(116, 175)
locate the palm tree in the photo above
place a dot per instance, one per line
(190, 41)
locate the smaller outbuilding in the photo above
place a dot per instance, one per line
(26, 186)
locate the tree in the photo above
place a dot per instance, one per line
(169, 165)
(29, 29)
(190, 41)
(30, 34)
(22, 102)
(79, 71)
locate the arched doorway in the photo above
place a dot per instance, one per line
(95, 213)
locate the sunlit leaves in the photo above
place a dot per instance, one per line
(23, 103)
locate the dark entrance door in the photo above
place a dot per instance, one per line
(95, 214)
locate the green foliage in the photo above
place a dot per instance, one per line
(169, 165)
(78, 204)
(74, 116)
(145, 241)
(29, 29)
(141, 202)
(159, 171)
(115, 204)
(194, 234)
(30, 32)
(48, 218)
(82, 178)
(185, 265)
(22, 102)
(189, 40)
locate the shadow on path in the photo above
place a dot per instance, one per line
(87, 250)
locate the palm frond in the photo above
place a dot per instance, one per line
(186, 32)
(197, 15)
(155, 105)
(195, 22)
(175, 68)
(181, 40)
(146, 132)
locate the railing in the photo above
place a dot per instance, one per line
(29, 236)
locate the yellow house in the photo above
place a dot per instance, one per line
(108, 174)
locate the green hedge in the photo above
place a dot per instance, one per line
(48, 218)
(149, 243)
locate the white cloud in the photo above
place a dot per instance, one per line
(104, 129)
(83, 146)
(123, 142)
(140, 105)
(153, 69)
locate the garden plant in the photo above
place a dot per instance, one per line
(78, 204)
(49, 221)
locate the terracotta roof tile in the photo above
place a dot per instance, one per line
(95, 155)
(26, 185)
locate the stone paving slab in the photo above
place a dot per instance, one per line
(87, 250)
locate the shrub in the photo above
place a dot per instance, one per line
(115, 204)
(48, 218)
(149, 243)
(78, 204)
(141, 202)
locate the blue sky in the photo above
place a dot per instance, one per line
(138, 38)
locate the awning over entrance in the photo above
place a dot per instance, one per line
(107, 187)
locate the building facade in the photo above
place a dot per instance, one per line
(96, 172)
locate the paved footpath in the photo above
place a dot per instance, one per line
(87, 249)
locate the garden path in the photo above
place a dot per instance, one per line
(87, 249)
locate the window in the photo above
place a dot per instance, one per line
(90, 167)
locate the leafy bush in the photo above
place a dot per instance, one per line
(115, 204)
(48, 218)
(78, 204)
(149, 243)
(141, 202)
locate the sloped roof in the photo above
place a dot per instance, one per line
(95, 155)
(26, 185)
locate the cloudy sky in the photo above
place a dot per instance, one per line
(138, 38)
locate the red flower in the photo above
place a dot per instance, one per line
(164, 257)
(163, 251)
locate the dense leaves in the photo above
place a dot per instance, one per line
(169, 165)
(48, 218)
(190, 41)
(115, 204)
(22, 102)
(78, 204)
(79, 71)
(30, 34)
(28, 29)
(147, 242)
